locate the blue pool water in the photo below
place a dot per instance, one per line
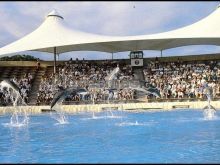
(181, 136)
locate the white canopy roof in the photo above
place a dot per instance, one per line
(54, 32)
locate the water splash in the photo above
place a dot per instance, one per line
(17, 120)
(94, 118)
(209, 111)
(93, 115)
(19, 117)
(57, 102)
(59, 116)
(136, 123)
(209, 114)
(105, 116)
(111, 115)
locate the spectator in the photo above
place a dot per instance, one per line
(38, 64)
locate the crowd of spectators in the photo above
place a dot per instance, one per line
(87, 75)
(184, 79)
(174, 80)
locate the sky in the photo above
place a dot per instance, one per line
(108, 18)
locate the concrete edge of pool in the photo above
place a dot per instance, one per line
(123, 106)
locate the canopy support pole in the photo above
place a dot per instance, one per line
(112, 56)
(55, 52)
(161, 55)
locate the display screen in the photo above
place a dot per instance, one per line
(136, 54)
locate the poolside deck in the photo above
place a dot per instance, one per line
(122, 106)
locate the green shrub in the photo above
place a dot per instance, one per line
(19, 58)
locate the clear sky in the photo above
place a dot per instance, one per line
(107, 18)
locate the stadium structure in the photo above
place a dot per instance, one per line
(177, 79)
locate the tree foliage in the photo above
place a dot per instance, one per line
(18, 58)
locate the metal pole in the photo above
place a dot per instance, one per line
(112, 56)
(161, 55)
(55, 52)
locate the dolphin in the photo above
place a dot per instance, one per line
(10, 84)
(154, 91)
(149, 91)
(113, 74)
(211, 107)
(61, 95)
(82, 92)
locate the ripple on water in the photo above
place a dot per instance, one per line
(14, 124)
(141, 137)
(136, 123)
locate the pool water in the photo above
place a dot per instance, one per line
(180, 136)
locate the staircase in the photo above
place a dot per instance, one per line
(18, 72)
(35, 86)
(139, 75)
(49, 70)
(36, 83)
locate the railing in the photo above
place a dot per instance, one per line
(82, 102)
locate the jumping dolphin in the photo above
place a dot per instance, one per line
(61, 95)
(113, 74)
(154, 91)
(83, 92)
(211, 107)
(10, 84)
(208, 92)
(149, 91)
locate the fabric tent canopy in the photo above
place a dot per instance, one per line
(55, 36)
(54, 32)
